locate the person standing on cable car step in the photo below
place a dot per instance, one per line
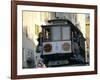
(40, 40)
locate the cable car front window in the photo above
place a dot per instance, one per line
(56, 33)
(65, 33)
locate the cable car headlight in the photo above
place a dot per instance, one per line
(66, 46)
(47, 47)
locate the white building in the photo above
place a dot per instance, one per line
(27, 52)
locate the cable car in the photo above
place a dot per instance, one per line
(63, 44)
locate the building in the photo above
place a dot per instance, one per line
(87, 37)
(27, 51)
(32, 22)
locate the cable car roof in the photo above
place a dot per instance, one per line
(58, 20)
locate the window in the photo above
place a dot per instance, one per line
(56, 33)
(65, 33)
(47, 34)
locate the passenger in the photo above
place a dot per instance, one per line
(40, 40)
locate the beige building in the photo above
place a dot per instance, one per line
(32, 22)
(87, 36)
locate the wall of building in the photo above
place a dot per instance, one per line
(27, 51)
(32, 22)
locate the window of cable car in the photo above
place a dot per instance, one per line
(65, 33)
(56, 33)
(47, 34)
